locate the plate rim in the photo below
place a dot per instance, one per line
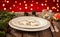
(30, 27)
(22, 29)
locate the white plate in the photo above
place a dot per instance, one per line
(37, 29)
(42, 22)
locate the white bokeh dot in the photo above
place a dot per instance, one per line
(3, 5)
(25, 4)
(31, 9)
(45, 4)
(25, 7)
(57, 9)
(47, 8)
(42, 4)
(20, 8)
(4, 8)
(24, 1)
(36, 2)
(7, 1)
(12, 11)
(31, 4)
(19, 3)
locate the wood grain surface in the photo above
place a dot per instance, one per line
(44, 33)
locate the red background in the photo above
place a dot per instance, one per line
(37, 7)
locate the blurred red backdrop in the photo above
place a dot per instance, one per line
(29, 5)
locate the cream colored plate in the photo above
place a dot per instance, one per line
(37, 29)
(42, 22)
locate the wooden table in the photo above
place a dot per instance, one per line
(44, 33)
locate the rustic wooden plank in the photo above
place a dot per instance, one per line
(56, 34)
(45, 33)
(9, 35)
(33, 34)
(30, 34)
(25, 34)
(18, 33)
(14, 33)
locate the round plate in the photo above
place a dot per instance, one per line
(42, 22)
(37, 29)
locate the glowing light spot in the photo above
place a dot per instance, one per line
(45, 4)
(13, 5)
(4, 0)
(19, 3)
(7, 1)
(57, 9)
(31, 9)
(15, 1)
(25, 7)
(58, 6)
(42, 4)
(47, 8)
(50, 10)
(36, 2)
(31, 4)
(45, 0)
(53, 0)
(57, 0)
(4, 8)
(3, 5)
(10, 8)
(24, 1)
(53, 7)
(25, 4)
(20, 8)
(12, 11)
